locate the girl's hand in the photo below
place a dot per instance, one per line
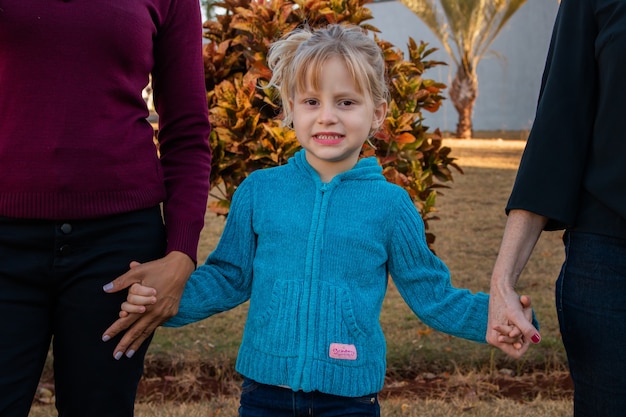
(511, 334)
(139, 296)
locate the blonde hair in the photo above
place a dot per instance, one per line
(297, 59)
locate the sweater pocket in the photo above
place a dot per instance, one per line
(274, 331)
(337, 337)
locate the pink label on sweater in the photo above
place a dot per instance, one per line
(341, 351)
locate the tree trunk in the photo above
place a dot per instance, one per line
(463, 93)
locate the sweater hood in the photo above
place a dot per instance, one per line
(365, 169)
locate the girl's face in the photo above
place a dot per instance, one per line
(333, 122)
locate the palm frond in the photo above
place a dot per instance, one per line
(466, 28)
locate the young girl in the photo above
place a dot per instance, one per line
(311, 245)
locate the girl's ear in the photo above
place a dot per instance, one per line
(380, 113)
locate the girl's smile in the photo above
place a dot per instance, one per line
(328, 138)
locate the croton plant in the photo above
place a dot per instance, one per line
(247, 131)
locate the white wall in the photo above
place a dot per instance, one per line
(508, 86)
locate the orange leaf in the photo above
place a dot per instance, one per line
(424, 332)
(405, 138)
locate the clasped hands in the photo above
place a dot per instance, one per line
(167, 277)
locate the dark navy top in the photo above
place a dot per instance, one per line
(573, 169)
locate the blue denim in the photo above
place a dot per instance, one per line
(591, 306)
(51, 278)
(260, 400)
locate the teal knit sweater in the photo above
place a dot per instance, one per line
(313, 259)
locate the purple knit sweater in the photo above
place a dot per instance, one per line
(74, 139)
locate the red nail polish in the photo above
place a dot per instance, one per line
(535, 338)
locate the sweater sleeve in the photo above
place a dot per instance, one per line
(180, 101)
(423, 281)
(551, 171)
(225, 279)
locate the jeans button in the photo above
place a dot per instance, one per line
(66, 228)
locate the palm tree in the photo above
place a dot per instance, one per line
(466, 28)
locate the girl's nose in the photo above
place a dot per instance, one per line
(327, 115)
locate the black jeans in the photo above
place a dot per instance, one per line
(51, 278)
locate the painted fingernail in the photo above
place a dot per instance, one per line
(130, 353)
(108, 287)
(536, 338)
(106, 338)
(118, 356)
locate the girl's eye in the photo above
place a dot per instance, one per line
(346, 103)
(310, 102)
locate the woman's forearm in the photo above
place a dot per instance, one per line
(521, 233)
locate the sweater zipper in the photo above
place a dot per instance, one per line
(307, 335)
